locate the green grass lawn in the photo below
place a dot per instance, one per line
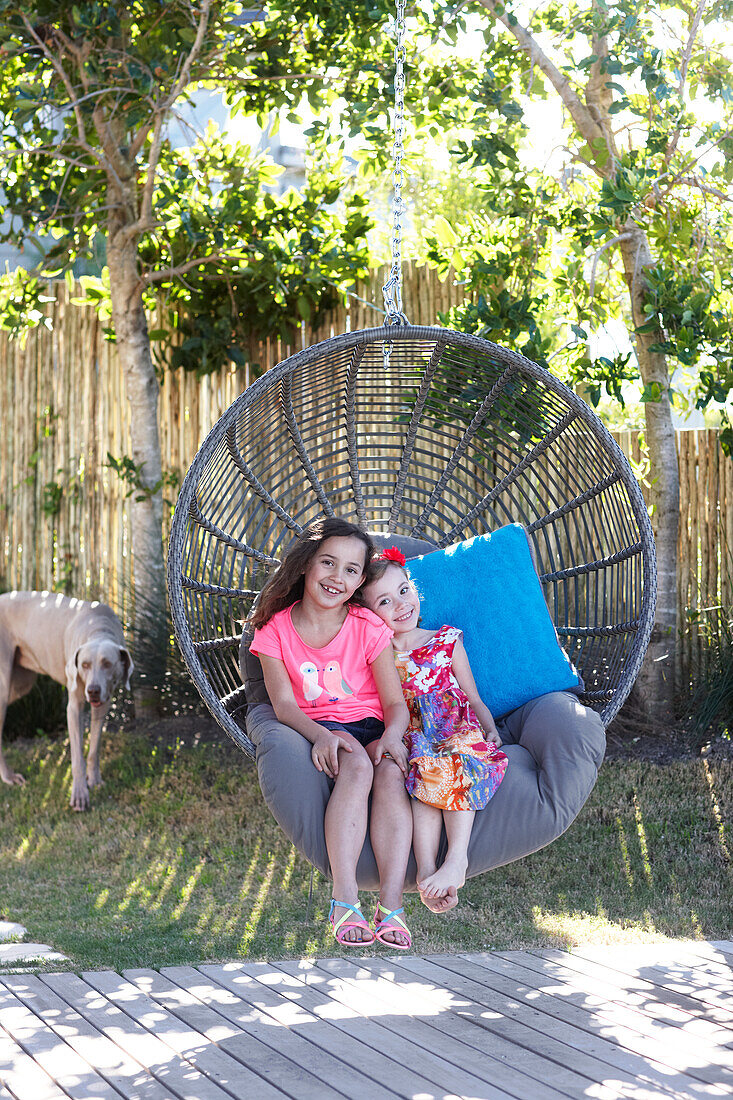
(179, 861)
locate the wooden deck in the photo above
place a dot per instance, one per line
(642, 1021)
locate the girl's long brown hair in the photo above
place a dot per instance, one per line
(286, 586)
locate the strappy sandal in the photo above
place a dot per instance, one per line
(341, 925)
(392, 922)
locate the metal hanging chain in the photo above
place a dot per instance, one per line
(392, 289)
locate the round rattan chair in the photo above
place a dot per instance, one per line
(421, 432)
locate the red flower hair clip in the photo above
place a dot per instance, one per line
(391, 553)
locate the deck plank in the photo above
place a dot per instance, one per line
(307, 1069)
(187, 1042)
(417, 1068)
(562, 1001)
(280, 1074)
(177, 1079)
(660, 1003)
(669, 969)
(110, 1062)
(506, 1065)
(654, 1039)
(615, 1043)
(439, 1060)
(699, 953)
(362, 1044)
(636, 1022)
(62, 1063)
(22, 1075)
(561, 1042)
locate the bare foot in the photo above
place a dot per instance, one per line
(441, 905)
(11, 778)
(452, 873)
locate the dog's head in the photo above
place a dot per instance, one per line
(101, 666)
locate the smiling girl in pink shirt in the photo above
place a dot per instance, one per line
(330, 675)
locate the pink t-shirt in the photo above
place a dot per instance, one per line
(336, 681)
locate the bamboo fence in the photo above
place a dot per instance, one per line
(65, 514)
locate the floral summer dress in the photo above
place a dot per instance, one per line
(451, 765)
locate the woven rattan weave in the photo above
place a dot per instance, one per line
(454, 437)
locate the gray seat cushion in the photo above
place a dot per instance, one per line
(555, 746)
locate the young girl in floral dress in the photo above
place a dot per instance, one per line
(455, 765)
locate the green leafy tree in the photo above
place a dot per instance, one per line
(632, 222)
(88, 92)
(647, 94)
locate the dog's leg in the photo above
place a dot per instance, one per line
(15, 682)
(74, 716)
(6, 773)
(94, 776)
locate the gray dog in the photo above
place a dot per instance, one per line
(78, 643)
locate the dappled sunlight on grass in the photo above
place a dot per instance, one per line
(721, 826)
(57, 768)
(24, 847)
(101, 899)
(567, 929)
(641, 832)
(666, 876)
(187, 889)
(179, 861)
(254, 918)
(624, 851)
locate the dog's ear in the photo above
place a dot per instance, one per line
(72, 672)
(128, 666)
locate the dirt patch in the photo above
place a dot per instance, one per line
(188, 730)
(632, 737)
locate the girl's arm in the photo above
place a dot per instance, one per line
(464, 676)
(396, 714)
(326, 743)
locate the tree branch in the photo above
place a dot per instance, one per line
(63, 76)
(115, 162)
(104, 159)
(101, 91)
(588, 128)
(146, 205)
(184, 75)
(160, 114)
(684, 65)
(597, 256)
(180, 269)
(693, 181)
(687, 54)
(674, 178)
(598, 94)
(50, 151)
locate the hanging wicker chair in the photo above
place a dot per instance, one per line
(444, 437)
(455, 437)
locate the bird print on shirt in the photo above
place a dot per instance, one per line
(334, 682)
(311, 688)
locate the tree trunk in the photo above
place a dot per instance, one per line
(133, 346)
(656, 680)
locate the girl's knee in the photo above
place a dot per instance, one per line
(388, 777)
(388, 771)
(356, 766)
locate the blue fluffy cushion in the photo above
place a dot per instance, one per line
(488, 586)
